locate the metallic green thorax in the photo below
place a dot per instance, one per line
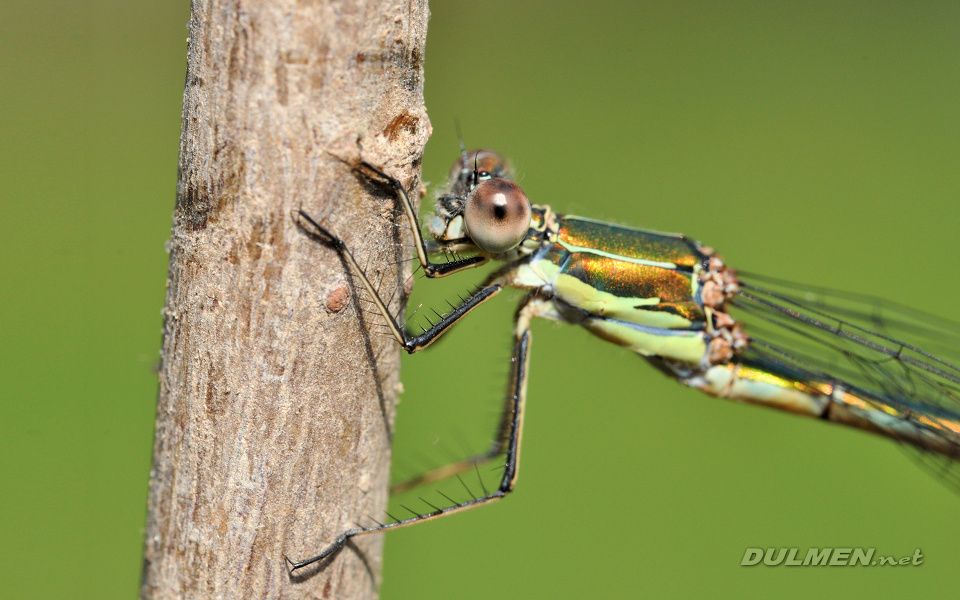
(640, 289)
(639, 276)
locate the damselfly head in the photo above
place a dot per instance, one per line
(483, 208)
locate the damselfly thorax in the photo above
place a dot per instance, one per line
(839, 357)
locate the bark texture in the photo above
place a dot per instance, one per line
(276, 404)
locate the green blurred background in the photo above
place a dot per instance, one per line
(816, 141)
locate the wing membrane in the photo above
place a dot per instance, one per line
(889, 354)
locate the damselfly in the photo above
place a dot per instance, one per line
(841, 357)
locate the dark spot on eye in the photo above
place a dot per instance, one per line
(500, 212)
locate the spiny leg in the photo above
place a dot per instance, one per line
(532, 306)
(415, 343)
(495, 449)
(410, 343)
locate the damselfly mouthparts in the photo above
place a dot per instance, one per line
(841, 357)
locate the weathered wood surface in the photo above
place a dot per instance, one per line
(276, 403)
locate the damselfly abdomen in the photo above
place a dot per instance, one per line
(840, 357)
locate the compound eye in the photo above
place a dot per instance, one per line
(497, 215)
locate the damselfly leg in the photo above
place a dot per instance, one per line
(507, 438)
(410, 343)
